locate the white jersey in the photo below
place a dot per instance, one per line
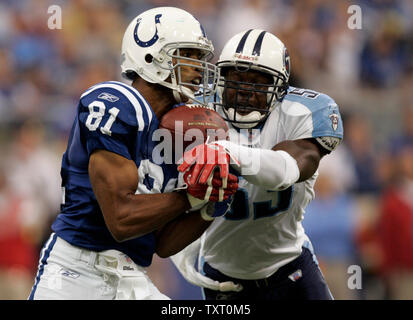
(263, 230)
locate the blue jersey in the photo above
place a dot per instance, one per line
(115, 117)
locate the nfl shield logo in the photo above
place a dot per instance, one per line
(296, 275)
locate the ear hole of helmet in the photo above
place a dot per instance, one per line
(148, 58)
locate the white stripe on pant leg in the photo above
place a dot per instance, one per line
(45, 251)
(42, 256)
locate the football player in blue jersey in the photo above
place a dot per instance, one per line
(278, 133)
(119, 206)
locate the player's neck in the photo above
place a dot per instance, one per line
(159, 97)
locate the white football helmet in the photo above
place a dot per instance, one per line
(154, 38)
(257, 50)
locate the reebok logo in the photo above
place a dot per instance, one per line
(109, 97)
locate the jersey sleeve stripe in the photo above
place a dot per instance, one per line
(131, 97)
(139, 96)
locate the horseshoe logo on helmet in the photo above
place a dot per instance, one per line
(150, 42)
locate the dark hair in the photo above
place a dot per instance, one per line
(131, 75)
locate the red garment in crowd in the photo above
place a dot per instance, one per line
(395, 232)
(15, 250)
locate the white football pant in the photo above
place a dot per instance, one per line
(67, 272)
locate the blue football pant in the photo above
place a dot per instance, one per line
(301, 279)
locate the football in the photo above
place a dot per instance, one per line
(192, 124)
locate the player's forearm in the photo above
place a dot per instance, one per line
(179, 233)
(140, 214)
(273, 170)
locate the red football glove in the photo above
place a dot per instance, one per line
(213, 190)
(203, 159)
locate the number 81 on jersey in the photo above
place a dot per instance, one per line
(96, 113)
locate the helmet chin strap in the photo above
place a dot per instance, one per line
(177, 96)
(174, 87)
(179, 90)
(248, 121)
(182, 91)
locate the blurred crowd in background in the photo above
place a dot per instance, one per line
(363, 211)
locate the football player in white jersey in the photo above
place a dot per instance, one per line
(278, 133)
(118, 205)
